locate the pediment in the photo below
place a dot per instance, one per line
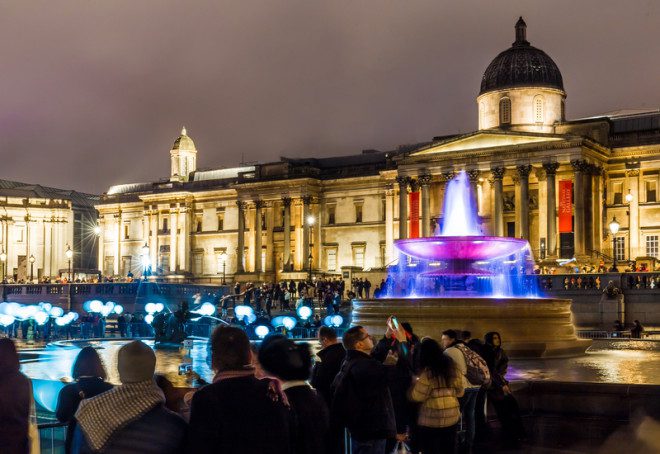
(483, 140)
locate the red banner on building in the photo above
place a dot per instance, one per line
(414, 215)
(566, 206)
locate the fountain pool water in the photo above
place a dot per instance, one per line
(462, 279)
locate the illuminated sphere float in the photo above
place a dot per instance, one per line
(461, 279)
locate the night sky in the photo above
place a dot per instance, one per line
(95, 92)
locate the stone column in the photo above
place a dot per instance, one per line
(578, 210)
(523, 173)
(425, 183)
(174, 255)
(498, 208)
(445, 177)
(117, 246)
(153, 240)
(307, 201)
(473, 175)
(588, 209)
(286, 259)
(185, 223)
(551, 173)
(389, 225)
(101, 250)
(240, 243)
(403, 206)
(633, 213)
(598, 207)
(258, 205)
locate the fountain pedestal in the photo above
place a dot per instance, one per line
(530, 327)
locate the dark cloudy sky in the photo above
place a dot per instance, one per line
(94, 92)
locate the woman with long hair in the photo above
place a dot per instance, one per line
(15, 401)
(500, 393)
(89, 380)
(437, 389)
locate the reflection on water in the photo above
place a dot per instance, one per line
(598, 365)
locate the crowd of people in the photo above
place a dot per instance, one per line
(275, 398)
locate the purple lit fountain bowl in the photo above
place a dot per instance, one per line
(461, 254)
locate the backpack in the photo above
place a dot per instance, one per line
(477, 369)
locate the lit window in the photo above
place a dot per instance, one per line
(126, 231)
(165, 225)
(331, 259)
(620, 248)
(505, 111)
(221, 221)
(331, 214)
(198, 224)
(358, 213)
(198, 264)
(617, 191)
(358, 256)
(652, 246)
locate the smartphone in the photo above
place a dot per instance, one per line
(185, 368)
(394, 323)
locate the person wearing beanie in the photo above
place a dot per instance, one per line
(291, 363)
(130, 418)
(238, 412)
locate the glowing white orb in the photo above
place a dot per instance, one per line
(261, 331)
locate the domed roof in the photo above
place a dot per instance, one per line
(183, 142)
(522, 65)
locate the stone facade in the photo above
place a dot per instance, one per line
(279, 219)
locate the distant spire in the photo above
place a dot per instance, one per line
(521, 33)
(183, 131)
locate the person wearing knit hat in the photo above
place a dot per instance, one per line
(291, 363)
(130, 418)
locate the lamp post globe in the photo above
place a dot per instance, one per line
(614, 229)
(69, 256)
(32, 260)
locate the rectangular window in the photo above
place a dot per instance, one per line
(263, 259)
(221, 221)
(331, 214)
(651, 190)
(198, 263)
(382, 256)
(331, 259)
(127, 231)
(617, 191)
(383, 209)
(166, 227)
(20, 237)
(358, 256)
(165, 262)
(198, 224)
(358, 213)
(263, 221)
(652, 246)
(221, 259)
(125, 266)
(620, 248)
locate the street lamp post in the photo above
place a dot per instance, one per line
(223, 259)
(69, 256)
(146, 262)
(629, 199)
(614, 229)
(3, 259)
(310, 222)
(31, 259)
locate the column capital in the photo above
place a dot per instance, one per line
(258, 204)
(498, 172)
(414, 186)
(524, 170)
(241, 205)
(307, 199)
(403, 181)
(578, 165)
(447, 176)
(550, 168)
(286, 200)
(473, 174)
(424, 180)
(632, 172)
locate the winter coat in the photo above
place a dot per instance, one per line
(311, 420)
(362, 401)
(239, 415)
(158, 431)
(327, 369)
(440, 407)
(15, 396)
(69, 399)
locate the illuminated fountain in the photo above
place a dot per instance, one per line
(461, 279)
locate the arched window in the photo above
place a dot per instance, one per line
(505, 111)
(539, 113)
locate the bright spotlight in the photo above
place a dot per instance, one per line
(289, 322)
(333, 321)
(150, 308)
(46, 306)
(207, 309)
(159, 307)
(243, 311)
(119, 309)
(6, 320)
(304, 312)
(41, 317)
(56, 312)
(261, 331)
(95, 306)
(149, 318)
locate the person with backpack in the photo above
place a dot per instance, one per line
(362, 402)
(474, 373)
(437, 389)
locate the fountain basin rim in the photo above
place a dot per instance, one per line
(461, 247)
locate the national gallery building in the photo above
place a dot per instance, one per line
(556, 182)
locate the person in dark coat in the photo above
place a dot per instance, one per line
(398, 356)
(15, 398)
(238, 412)
(331, 355)
(130, 418)
(89, 376)
(291, 363)
(362, 402)
(500, 393)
